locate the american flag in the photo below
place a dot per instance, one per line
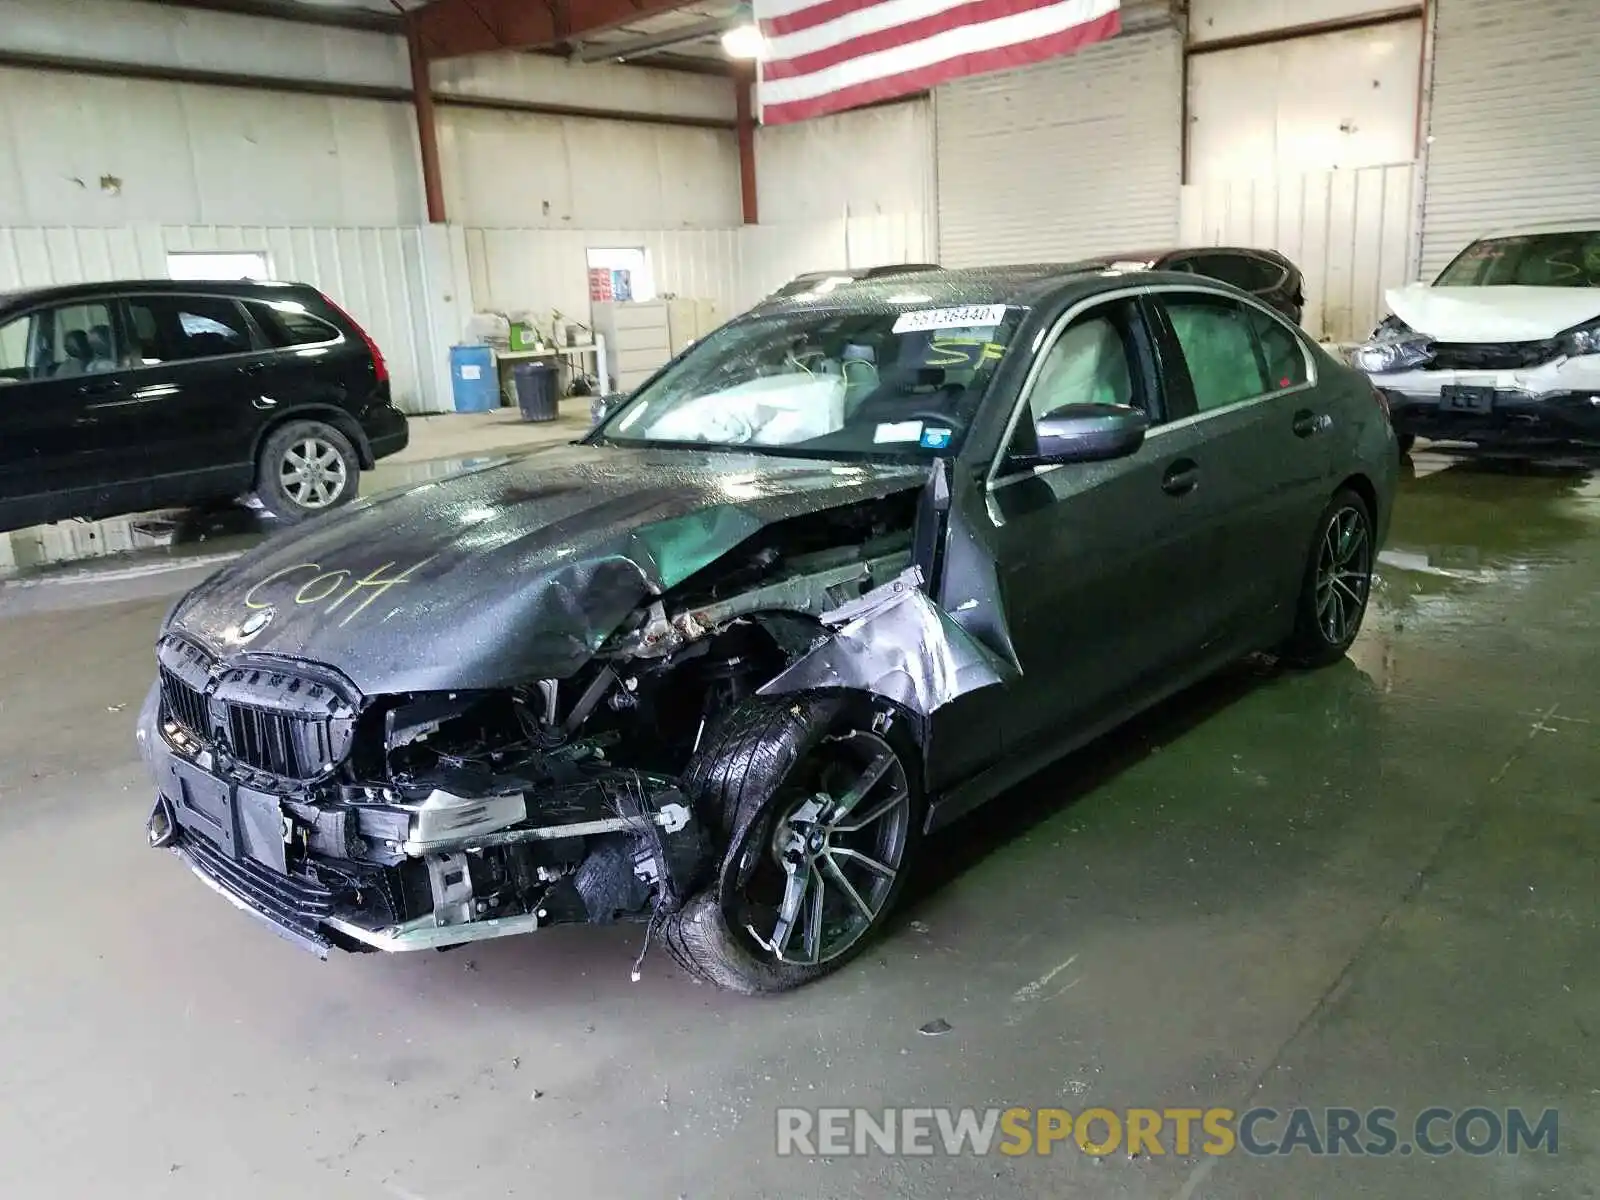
(823, 56)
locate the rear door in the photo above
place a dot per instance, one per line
(69, 438)
(1263, 449)
(1090, 555)
(200, 362)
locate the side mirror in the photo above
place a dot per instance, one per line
(1077, 433)
(602, 407)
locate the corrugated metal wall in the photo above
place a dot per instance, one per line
(537, 270)
(867, 162)
(1073, 156)
(1515, 120)
(1348, 231)
(378, 274)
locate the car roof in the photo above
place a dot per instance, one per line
(1547, 227)
(27, 297)
(1024, 285)
(1155, 257)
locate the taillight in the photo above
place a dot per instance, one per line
(378, 365)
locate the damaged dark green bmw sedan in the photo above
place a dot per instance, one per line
(854, 564)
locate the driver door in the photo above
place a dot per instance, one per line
(1098, 562)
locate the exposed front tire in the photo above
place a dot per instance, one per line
(820, 799)
(305, 468)
(1338, 582)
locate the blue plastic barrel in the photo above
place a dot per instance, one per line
(473, 382)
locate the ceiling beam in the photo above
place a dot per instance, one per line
(305, 14)
(650, 43)
(451, 28)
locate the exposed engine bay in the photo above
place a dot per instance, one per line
(431, 819)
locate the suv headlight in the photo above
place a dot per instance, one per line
(1581, 341)
(1394, 346)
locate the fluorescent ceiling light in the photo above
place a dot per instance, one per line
(744, 41)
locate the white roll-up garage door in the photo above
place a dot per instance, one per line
(1074, 156)
(1515, 123)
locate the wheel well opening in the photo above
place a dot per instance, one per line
(337, 418)
(1362, 486)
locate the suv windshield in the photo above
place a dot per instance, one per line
(1529, 260)
(830, 383)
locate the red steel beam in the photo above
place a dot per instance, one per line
(427, 130)
(744, 81)
(451, 28)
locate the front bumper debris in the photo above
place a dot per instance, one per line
(1556, 401)
(594, 860)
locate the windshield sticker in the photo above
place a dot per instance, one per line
(935, 438)
(972, 316)
(898, 431)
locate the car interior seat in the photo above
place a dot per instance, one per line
(103, 353)
(75, 344)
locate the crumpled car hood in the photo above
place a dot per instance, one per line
(1493, 314)
(510, 572)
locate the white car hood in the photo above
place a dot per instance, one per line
(1493, 314)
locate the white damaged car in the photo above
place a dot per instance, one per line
(1502, 349)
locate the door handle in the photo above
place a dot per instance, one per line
(102, 388)
(1308, 423)
(1181, 477)
(254, 368)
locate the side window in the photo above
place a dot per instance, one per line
(1092, 362)
(1284, 356)
(287, 323)
(1219, 347)
(1265, 273)
(1087, 365)
(59, 343)
(178, 328)
(16, 337)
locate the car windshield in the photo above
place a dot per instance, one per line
(830, 383)
(1528, 260)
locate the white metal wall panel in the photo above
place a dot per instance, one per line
(84, 150)
(869, 161)
(378, 274)
(1515, 135)
(1213, 20)
(522, 171)
(1251, 113)
(1072, 156)
(545, 270)
(161, 35)
(1349, 232)
(539, 78)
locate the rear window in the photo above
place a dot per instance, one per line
(1529, 260)
(287, 323)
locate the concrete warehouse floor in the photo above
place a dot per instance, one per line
(1370, 886)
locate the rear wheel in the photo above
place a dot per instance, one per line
(306, 467)
(825, 818)
(1338, 582)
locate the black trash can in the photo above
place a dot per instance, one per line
(536, 390)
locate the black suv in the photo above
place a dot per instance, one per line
(118, 397)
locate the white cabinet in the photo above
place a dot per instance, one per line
(637, 340)
(641, 336)
(690, 320)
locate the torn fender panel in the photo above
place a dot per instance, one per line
(895, 642)
(516, 570)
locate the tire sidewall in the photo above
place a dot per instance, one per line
(1310, 644)
(828, 715)
(269, 486)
